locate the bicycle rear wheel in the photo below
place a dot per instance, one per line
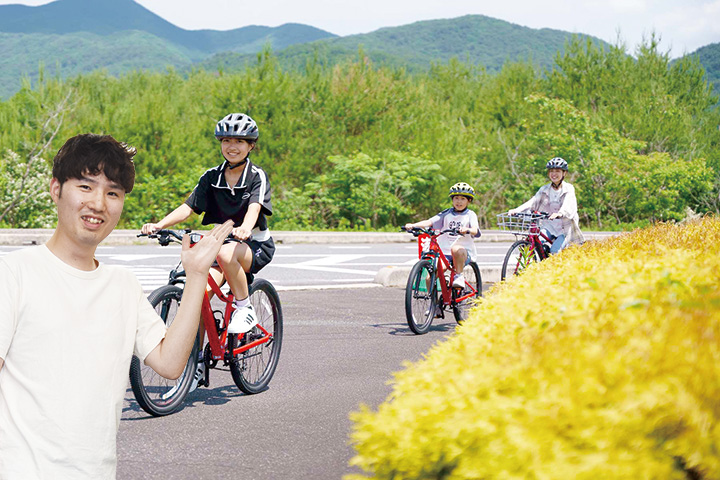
(252, 370)
(156, 394)
(474, 280)
(421, 297)
(520, 256)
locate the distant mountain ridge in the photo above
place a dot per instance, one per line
(70, 37)
(105, 17)
(477, 39)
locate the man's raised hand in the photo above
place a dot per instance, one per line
(201, 256)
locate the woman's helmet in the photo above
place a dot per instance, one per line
(237, 125)
(557, 162)
(462, 188)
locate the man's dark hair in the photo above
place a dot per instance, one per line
(91, 154)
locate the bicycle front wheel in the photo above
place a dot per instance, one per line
(520, 256)
(421, 297)
(156, 394)
(252, 369)
(473, 281)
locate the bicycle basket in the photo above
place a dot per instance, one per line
(520, 223)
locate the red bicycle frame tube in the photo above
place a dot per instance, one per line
(534, 237)
(219, 341)
(428, 248)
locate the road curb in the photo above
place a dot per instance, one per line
(18, 237)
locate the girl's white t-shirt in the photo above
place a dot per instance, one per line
(450, 218)
(67, 337)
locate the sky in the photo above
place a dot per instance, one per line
(682, 25)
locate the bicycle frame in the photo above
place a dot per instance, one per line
(218, 339)
(534, 236)
(429, 249)
(251, 369)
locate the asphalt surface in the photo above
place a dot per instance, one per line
(340, 348)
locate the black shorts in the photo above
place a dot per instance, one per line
(262, 253)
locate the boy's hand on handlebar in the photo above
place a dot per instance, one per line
(554, 216)
(241, 233)
(201, 256)
(149, 228)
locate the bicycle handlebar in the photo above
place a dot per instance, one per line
(416, 231)
(166, 236)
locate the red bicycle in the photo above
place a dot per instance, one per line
(533, 247)
(252, 356)
(428, 292)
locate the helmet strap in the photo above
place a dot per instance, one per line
(240, 164)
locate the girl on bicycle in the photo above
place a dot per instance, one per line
(459, 249)
(558, 199)
(236, 190)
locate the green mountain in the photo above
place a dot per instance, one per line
(107, 17)
(475, 38)
(72, 54)
(709, 57)
(70, 37)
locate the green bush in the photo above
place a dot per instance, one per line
(601, 362)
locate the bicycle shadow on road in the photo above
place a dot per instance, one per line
(402, 329)
(219, 395)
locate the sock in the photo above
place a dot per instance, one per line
(242, 303)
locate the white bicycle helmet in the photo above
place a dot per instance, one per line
(237, 125)
(462, 188)
(557, 162)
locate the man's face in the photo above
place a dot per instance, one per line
(235, 150)
(88, 208)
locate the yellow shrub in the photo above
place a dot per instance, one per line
(602, 362)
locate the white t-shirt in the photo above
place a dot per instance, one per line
(67, 337)
(451, 219)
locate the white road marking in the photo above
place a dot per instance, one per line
(301, 266)
(328, 287)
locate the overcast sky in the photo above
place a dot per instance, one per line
(683, 25)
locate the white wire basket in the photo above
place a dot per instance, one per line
(519, 223)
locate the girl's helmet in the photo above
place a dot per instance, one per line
(237, 125)
(557, 162)
(462, 188)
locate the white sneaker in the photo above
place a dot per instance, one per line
(242, 320)
(438, 312)
(459, 281)
(199, 374)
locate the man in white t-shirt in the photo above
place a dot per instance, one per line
(459, 249)
(69, 325)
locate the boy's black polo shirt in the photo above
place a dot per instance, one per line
(220, 202)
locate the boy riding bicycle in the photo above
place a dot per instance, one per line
(558, 199)
(236, 190)
(459, 249)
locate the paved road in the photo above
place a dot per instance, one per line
(339, 350)
(297, 266)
